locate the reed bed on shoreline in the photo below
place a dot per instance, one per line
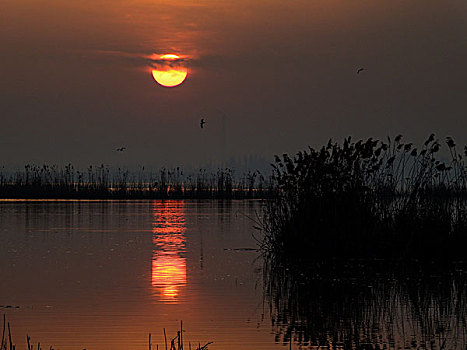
(101, 183)
(368, 199)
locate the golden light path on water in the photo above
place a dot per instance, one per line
(168, 262)
(170, 72)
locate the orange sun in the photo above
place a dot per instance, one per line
(170, 74)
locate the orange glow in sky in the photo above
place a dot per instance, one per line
(168, 263)
(170, 74)
(170, 56)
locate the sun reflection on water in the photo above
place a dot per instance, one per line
(168, 260)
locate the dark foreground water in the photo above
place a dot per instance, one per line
(103, 275)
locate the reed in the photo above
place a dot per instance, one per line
(101, 183)
(368, 199)
(176, 343)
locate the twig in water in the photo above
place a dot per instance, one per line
(181, 334)
(9, 336)
(3, 333)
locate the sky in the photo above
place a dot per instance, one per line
(268, 77)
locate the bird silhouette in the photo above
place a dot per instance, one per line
(121, 149)
(360, 70)
(201, 123)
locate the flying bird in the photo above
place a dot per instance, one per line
(121, 149)
(360, 70)
(201, 123)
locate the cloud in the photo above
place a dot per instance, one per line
(158, 61)
(133, 59)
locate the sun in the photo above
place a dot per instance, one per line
(170, 71)
(169, 78)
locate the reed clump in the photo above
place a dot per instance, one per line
(368, 199)
(175, 343)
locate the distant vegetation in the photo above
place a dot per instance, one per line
(101, 183)
(368, 199)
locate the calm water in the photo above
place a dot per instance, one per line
(100, 275)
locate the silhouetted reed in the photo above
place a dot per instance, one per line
(175, 343)
(369, 199)
(101, 183)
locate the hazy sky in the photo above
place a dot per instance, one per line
(76, 81)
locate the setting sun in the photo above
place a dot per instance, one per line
(170, 71)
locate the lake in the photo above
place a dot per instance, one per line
(104, 274)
